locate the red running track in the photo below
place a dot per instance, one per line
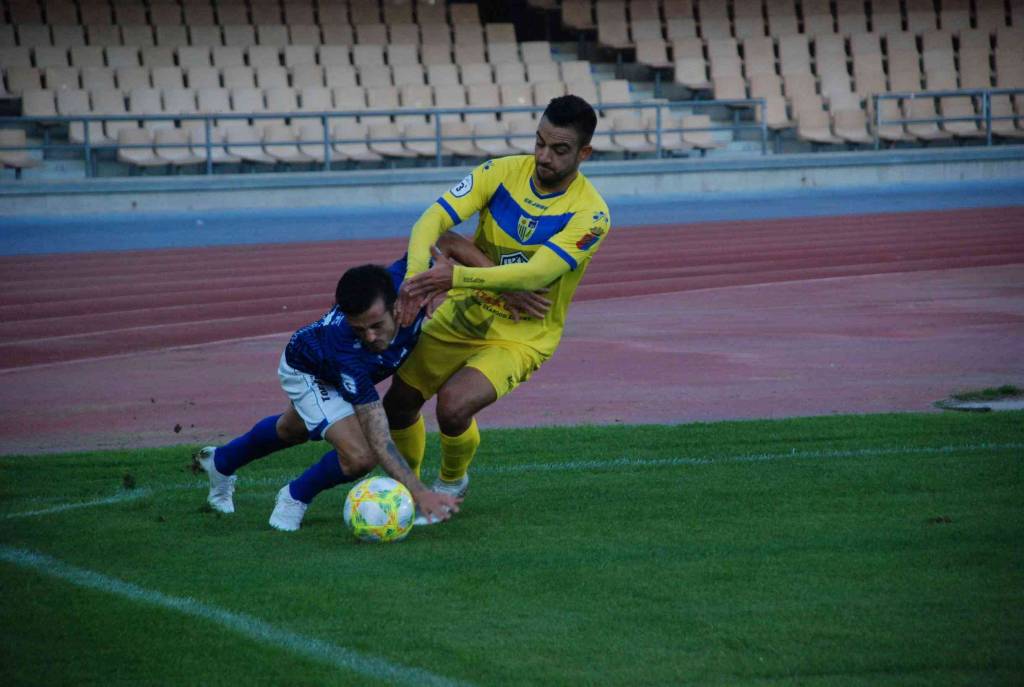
(710, 321)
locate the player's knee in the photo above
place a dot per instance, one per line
(357, 462)
(402, 408)
(290, 431)
(454, 414)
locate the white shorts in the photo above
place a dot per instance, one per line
(318, 403)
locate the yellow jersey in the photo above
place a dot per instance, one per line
(550, 237)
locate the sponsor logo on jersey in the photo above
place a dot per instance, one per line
(525, 228)
(463, 187)
(539, 206)
(350, 384)
(589, 239)
(514, 258)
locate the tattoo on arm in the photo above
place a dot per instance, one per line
(374, 422)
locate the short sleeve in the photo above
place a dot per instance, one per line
(473, 192)
(581, 237)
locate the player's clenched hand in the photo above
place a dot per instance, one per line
(529, 303)
(407, 306)
(437, 507)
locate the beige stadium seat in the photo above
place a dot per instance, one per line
(271, 77)
(299, 12)
(148, 101)
(515, 95)
(402, 54)
(202, 77)
(246, 143)
(759, 55)
(50, 56)
(67, 36)
(225, 56)
(385, 139)
(851, 126)
(762, 85)
(375, 76)
(179, 101)
(263, 56)
(111, 103)
(232, 13)
(435, 34)
(775, 114)
(578, 15)
(990, 15)
(129, 14)
(140, 35)
(332, 13)
(431, 12)
(363, 55)
(310, 138)
(714, 19)
(904, 81)
(418, 97)
(157, 56)
(97, 78)
(307, 75)
(16, 159)
(653, 54)
(924, 108)
(502, 52)
(702, 140)
(442, 75)
(539, 72)
(248, 101)
(819, 24)
(794, 55)
(834, 84)
(239, 35)
(315, 99)
(890, 130)
(851, 17)
(921, 16)
(137, 157)
(420, 138)
(544, 92)
(364, 11)
(491, 137)
(465, 13)
(748, 21)
(671, 139)
(510, 72)
(280, 99)
(536, 52)
(340, 76)
(102, 34)
(486, 95)
(332, 55)
(371, 34)
(123, 56)
(814, 126)
(165, 13)
(213, 101)
(265, 12)
(238, 77)
(39, 102)
(583, 89)
(86, 56)
(204, 35)
(630, 133)
(408, 74)
(886, 16)
(217, 151)
(171, 36)
(57, 78)
(962, 109)
(15, 56)
(678, 27)
(194, 56)
(132, 77)
(337, 34)
(304, 34)
(431, 54)
(34, 35)
(975, 71)
(782, 21)
(398, 12)
(351, 141)
(602, 140)
(403, 34)
(71, 103)
(614, 91)
(458, 140)
(450, 97)
(167, 78)
(1005, 121)
(60, 12)
(280, 141)
(576, 71)
(468, 53)
(522, 134)
(476, 73)
(868, 82)
(380, 98)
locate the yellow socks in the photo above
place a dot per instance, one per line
(411, 442)
(457, 453)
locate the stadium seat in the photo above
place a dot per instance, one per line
(246, 143)
(307, 75)
(165, 15)
(102, 34)
(337, 34)
(924, 108)
(402, 54)
(87, 56)
(350, 139)
(630, 133)
(157, 56)
(458, 139)
(578, 15)
(536, 52)
(194, 56)
(179, 101)
(170, 35)
(375, 76)
(60, 12)
(198, 77)
(334, 55)
(408, 74)
(434, 54)
(34, 35)
(136, 156)
(232, 13)
(239, 76)
(748, 21)
(225, 56)
(522, 133)
(57, 78)
(309, 135)
(128, 78)
(403, 33)
(140, 35)
(385, 139)
(730, 87)
(371, 34)
(50, 56)
(239, 35)
(280, 141)
(442, 74)
(147, 101)
(127, 14)
(678, 27)
(204, 35)
(66, 35)
(417, 97)
(814, 126)
(851, 126)
(420, 138)
(217, 151)
(39, 102)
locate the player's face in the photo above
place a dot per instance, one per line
(375, 328)
(558, 155)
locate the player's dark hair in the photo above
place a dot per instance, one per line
(360, 287)
(573, 111)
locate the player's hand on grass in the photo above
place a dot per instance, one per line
(437, 507)
(528, 303)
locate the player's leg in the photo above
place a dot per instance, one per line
(490, 373)
(402, 403)
(350, 459)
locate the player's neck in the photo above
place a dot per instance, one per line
(558, 188)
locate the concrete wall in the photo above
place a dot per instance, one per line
(616, 180)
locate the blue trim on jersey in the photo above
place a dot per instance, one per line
(560, 252)
(450, 210)
(508, 214)
(542, 195)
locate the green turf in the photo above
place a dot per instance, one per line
(827, 551)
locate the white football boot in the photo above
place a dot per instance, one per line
(222, 487)
(456, 489)
(288, 512)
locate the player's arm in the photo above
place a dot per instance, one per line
(543, 268)
(374, 423)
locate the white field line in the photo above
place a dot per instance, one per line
(567, 466)
(240, 623)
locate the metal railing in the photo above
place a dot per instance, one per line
(90, 149)
(983, 119)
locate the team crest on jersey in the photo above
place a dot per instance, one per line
(588, 240)
(526, 228)
(463, 187)
(350, 384)
(514, 258)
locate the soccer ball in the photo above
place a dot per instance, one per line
(379, 509)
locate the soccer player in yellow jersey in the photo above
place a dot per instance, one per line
(541, 221)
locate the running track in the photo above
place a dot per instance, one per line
(769, 318)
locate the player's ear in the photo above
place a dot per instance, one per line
(584, 154)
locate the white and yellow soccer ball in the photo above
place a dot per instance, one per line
(379, 509)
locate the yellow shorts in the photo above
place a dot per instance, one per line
(505, 363)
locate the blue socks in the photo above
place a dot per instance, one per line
(261, 440)
(318, 477)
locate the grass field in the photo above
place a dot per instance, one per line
(871, 550)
